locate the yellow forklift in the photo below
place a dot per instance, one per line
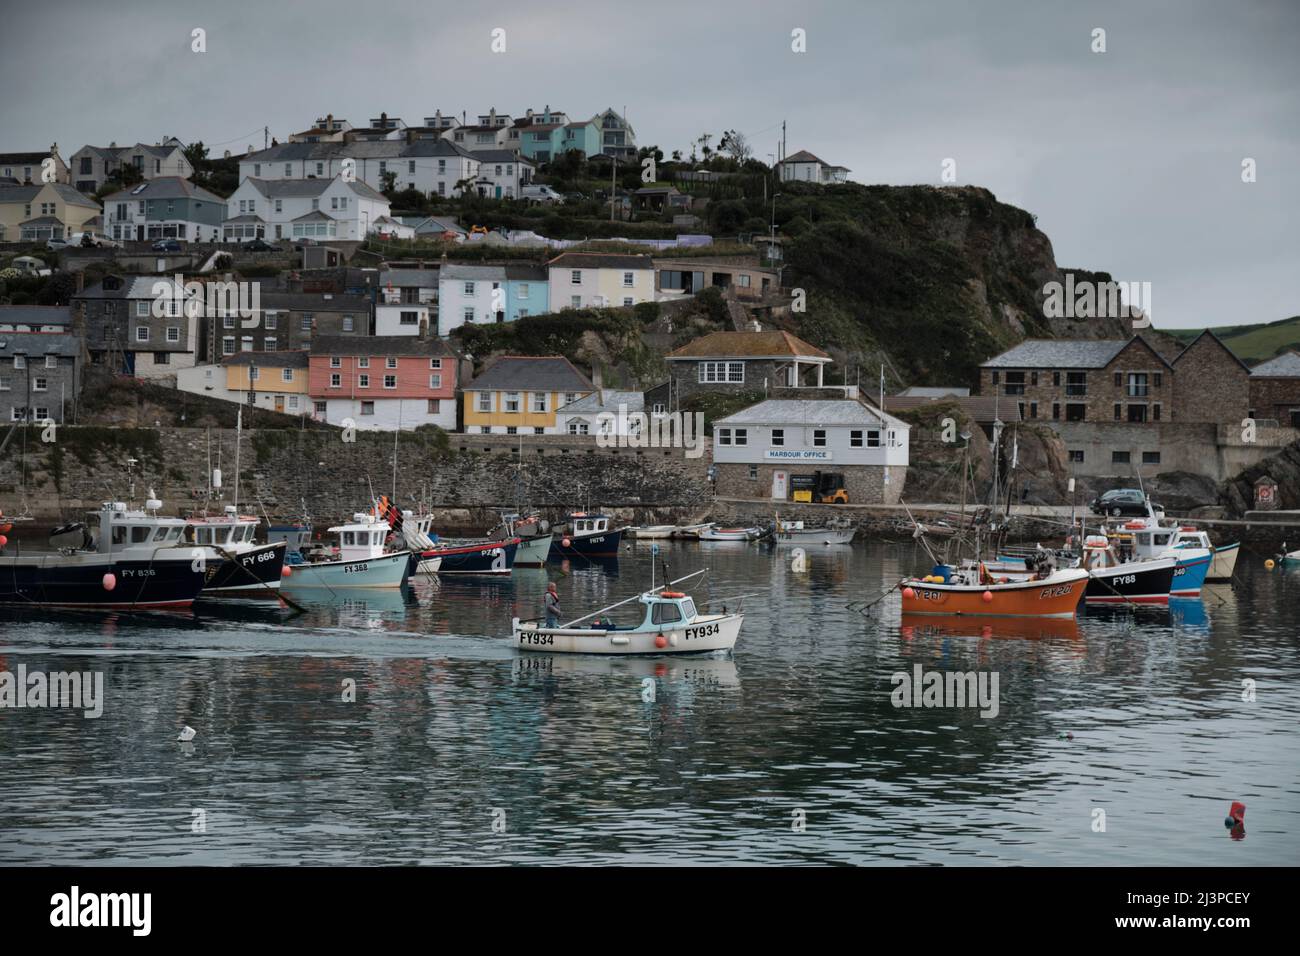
(824, 487)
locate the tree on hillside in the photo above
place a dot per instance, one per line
(197, 154)
(735, 145)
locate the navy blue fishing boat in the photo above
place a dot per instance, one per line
(588, 536)
(478, 557)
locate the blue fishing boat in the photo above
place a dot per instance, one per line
(588, 536)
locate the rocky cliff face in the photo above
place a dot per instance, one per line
(1238, 493)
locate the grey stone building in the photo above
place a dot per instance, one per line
(40, 376)
(735, 362)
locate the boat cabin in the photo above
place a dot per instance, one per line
(230, 530)
(297, 537)
(581, 523)
(362, 539)
(117, 528)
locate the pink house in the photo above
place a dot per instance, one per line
(383, 382)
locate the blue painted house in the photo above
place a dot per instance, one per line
(527, 291)
(545, 135)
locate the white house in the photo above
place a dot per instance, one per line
(407, 302)
(303, 209)
(585, 280)
(470, 295)
(804, 167)
(435, 167)
(603, 412)
(502, 173)
(779, 445)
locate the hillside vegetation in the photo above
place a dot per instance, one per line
(1252, 343)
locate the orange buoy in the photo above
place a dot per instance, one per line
(673, 594)
(3, 541)
(909, 593)
(566, 542)
(988, 597)
(661, 641)
(110, 581)
(286, 571)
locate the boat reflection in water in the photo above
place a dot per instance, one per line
(706, 672)
(1189, 614)
(1015, 628)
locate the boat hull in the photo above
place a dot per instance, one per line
(533, 551)
(710, 632)
(1045, 598)
(816, 536)
(249, 572)
(163, 580)
(385, 571)
(653, 532)
(602, 544)
(1224, 564)
(1189, 576)
(1131, 583)
(491, 557)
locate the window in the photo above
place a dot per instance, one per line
(1158, 379)
(51, 361)
(1137, 384)
(1075, 412)
(367, 408)
(1076, 455)
(1015, 383)
(336, 380)
(778, 437)
(740, 436)
(1033, 409)
(855, 438)
(228, 322)
(1155, 413)
(286, 375)
(468, 314)
(485, 401)
(994, 377)
(293, 401)
(228, 345)
(724, 436)
(575, 302)
(435, 363)
(246, 343)
(306, 322)
(410, 318)
(39, 385)
(1119, 379)
(1119, 458)
(1119, 412)
(347, 323)
(523, 290)
(363, 380)
(575, 277)
(268, 321)
(42, 412)
(435, 381)
(1056, 411)
(819, 438)
(873, 438)
(512, 402)
(390, 381)
(390, 362)
(753, 472)
(319, 408)
(269, 343)
(336, 361)
(512, 430)
(1137, 413)
(363, 362)
(627, 300)
(628, 280)
(435, 406)
(142, 334)
(539, 401)
(20, 361)
(1151, 458)
(713, 372)
(173, 333)
(469, 288)
(254, 373)
(1056, 380)
(1076, 383)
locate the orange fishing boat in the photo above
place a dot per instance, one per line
(972, 592)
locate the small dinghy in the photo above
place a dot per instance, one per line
(794, 532)
(691, 532)
(652, 532)
(668, 623)
(715, 533)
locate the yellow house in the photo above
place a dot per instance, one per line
(519, 395)
(585, 280)
(41, 211)
(278, 380)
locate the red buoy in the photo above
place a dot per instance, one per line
(3, 541)
(1236, 815)
(110, 581)
(909, 593)
(987, 597)
(661, 641)
(566, 542)
(286, 571)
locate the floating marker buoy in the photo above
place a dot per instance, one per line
(987, 597)
(1268, 564)
(1065, 736)
(661, 641)
(110, 581)
(909, 593)
(286, 571)
(187, 734)
(566, 542)
(1236, 815)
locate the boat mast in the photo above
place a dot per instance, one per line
(239, 428)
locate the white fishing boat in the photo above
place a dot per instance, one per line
(794, 532)
(534, 542)
(691, 532)
(362, 561)
(716, 533)
(667, 622)
(652, 532)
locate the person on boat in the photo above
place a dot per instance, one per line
(552, 605)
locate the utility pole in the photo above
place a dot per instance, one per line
(266, 137)
(613, 188)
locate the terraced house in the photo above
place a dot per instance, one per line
(586, 280)
(43, 211)
(319, 209)
(276, 381)
(40, 376)
(383, 382)
(520, 394)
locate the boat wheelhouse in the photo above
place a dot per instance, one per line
(245, 566)
(589, 536)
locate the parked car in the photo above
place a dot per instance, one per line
(1120, 501)
(166, 245)
(259, 245)
(57, 244)
(540, 193)
(92, 239)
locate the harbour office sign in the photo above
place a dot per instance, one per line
(797, 454)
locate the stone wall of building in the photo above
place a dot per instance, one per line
(865, 484)
(1274, 398)
(1210, 384)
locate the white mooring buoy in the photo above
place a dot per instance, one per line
(187, 734)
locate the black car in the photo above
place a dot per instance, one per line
(259, 245)
(166, 245)
(1120, 502)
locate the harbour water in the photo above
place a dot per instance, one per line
(459, 749)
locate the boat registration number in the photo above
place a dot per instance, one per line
(1061, 590)
(703, 630)
(1124, 579)
(352, 568)
(536, 639)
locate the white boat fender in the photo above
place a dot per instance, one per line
(673, 640)
(619, 641)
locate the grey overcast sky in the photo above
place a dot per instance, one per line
(1131, 158)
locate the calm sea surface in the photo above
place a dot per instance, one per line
(789, 751)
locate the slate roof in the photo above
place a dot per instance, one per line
(1286, 365)
(523, 272)
(830, 411)
(298, 188)
(459, 272)
(600, 260)
(165, 187)
(380, 345)
(314, 302)
(36, 314)
(604, 400)
(22, 159)
(39, 343)
(409, 278)
(25, 194)
(748, 345)
(981, 408)
(495, 156)
(803, 156)
(517, 373)
(295, 358)
(1059, 353)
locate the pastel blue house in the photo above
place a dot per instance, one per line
(546, 135)
(527, 291)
